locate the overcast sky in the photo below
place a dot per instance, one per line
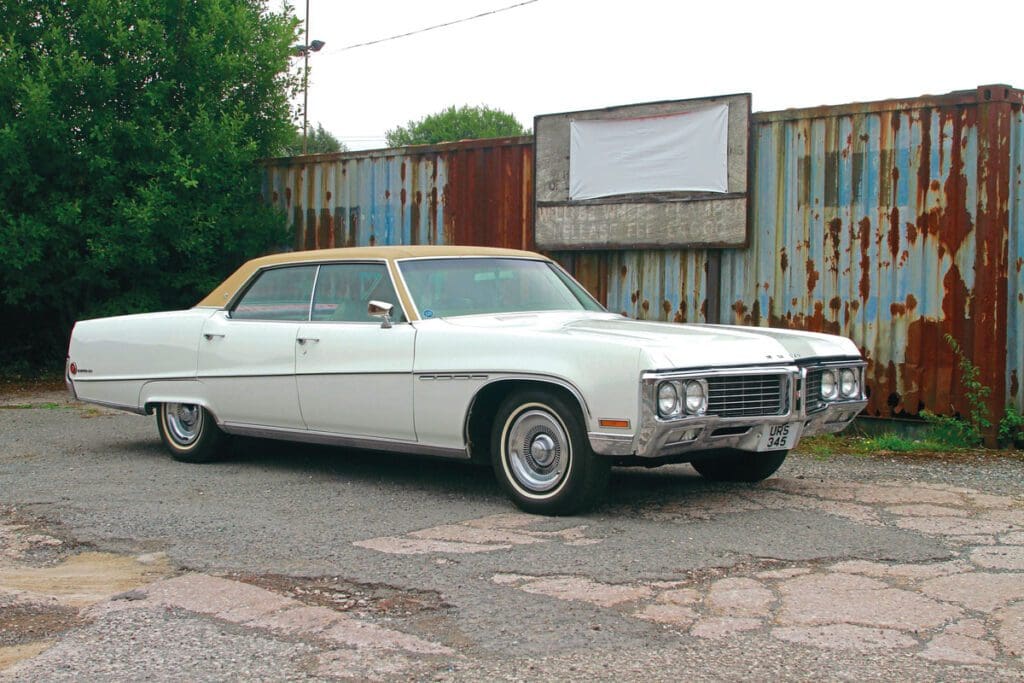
(563, 55)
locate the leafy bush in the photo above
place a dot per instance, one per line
(956, 432)
(451, 124)
(1011, 427)
(128, 134)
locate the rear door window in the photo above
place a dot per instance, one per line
(278, 294)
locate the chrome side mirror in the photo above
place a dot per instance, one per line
(381, 309)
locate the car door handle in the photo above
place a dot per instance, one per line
(210, 335)
(303, 340)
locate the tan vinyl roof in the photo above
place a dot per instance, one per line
(223, 294)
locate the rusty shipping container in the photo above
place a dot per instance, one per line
(888, 222)
(475, 192)
(894, 223)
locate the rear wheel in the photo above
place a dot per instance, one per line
(733, 465)
(189, 432)
(541, 455)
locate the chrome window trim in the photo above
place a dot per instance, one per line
(230, 305)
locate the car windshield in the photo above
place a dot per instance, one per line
(470, 286)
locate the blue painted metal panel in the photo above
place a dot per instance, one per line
(415, 195)
(1015, 298)
(862, 226)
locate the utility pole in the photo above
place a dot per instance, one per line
(305, 83)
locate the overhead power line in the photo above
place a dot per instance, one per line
(431, 28)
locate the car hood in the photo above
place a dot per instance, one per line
(673, 345)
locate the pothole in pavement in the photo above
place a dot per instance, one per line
(22, 623)
(47, 579)
(342, 595)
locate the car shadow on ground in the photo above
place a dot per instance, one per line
(629, 486)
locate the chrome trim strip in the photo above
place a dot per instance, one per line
(312, 293)
(450, 376)
(342, 440)
(136, 378)
(116, 406)
(610, 444)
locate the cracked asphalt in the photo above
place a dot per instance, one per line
(290, 562)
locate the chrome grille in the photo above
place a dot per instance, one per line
(812, 392)
(746, 395)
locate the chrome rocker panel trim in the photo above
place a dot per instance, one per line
(344, 441)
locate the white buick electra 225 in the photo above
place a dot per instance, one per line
(492, 355)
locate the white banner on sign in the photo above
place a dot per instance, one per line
(681, 152)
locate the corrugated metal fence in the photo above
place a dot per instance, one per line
(476, 192)
(893, 223)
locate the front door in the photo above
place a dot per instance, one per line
(354, 375)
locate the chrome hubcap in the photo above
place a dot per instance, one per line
(184, 422)
(538, 450)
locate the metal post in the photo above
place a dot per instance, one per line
(305, 82)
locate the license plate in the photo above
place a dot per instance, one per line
(779, 437)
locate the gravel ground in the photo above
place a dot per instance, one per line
(292, 562)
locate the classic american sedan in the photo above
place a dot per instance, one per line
(491, 355)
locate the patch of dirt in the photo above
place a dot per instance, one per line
(23, 623)
(47, 393)
(346, 596)
(29, 540)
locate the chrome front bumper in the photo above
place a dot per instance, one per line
(659, 437)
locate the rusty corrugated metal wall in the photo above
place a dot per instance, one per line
(475, 192)
(669, 285)
(885, 222)
(894, 223)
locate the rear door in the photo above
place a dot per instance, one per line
(247, 354)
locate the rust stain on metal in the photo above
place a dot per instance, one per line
(864, 286)
(894, 232)
(812, 276)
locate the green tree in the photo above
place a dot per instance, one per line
(318, 141)
(128, 132)
(451, 124)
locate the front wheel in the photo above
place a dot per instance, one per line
(541, 455)
(733, 465)
(189, 432)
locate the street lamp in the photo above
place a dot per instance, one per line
(304, 50)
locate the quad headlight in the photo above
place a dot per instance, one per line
(829, 385)
(678, 397)
(849, 387)
(696, 397)
(668, 400)
(840, 384)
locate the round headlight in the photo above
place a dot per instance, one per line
(848, 385)
(668, 399)
(696, 398)
(829, 386)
